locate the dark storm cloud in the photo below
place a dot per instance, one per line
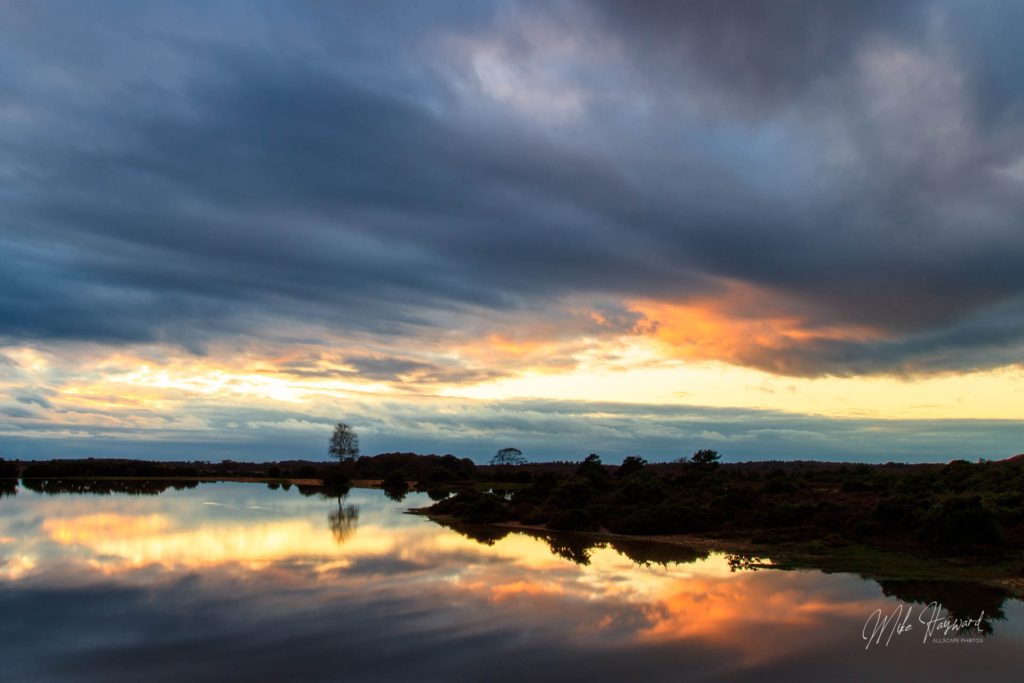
(765, 54)
(179, 176)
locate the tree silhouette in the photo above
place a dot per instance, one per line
(705, 456)
(344, 443)
(631, 465)
(508, 456)
(591, 467)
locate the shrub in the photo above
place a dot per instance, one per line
(962, 521)
(393, 480)
(631, 465)
(487, 510)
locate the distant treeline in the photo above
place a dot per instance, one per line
(98, 475)
(104, 476)
(409, 465)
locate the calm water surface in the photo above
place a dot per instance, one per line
(238, 582)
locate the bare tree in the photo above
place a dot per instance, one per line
(344, 443)
(508, 456)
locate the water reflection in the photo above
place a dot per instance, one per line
(961, 599)
(577, 547)
(344, 520)
(134, 487)
(396, 491)
(254, 585)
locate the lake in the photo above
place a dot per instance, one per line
(241, 582)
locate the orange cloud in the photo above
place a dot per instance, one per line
(740, 325)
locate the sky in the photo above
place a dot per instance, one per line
(779, 230)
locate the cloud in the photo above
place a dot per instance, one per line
(213, 173)
(16, 412)
(543, 429)
(751, 55)
(34, 398)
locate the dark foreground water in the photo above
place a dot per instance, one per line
(237, 582)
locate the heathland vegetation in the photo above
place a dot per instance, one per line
(959, 508)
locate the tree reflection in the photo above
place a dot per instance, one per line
(577, 548)
(747, 563)
(344, 520)
(8, 487)
(962, 599)
(103, 487)
(573, 548)
(326, 490)
(396, 491)
(646, 553)
(483, 534)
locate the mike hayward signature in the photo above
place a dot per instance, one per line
(936, 626)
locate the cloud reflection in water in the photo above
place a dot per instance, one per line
(272, 585)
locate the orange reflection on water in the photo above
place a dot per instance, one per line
(122, 541)
(104, 525)
(703, 600)
(610, 595)
(709, 607)
(755, 615)
(119, 542)
(504, 590)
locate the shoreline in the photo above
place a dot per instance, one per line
(864, 561)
